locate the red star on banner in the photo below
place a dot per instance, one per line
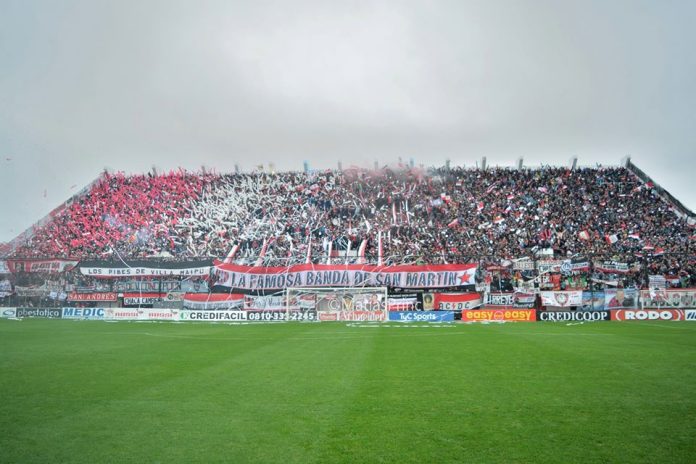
(466, 277)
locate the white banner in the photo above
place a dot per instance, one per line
(511, 300)
(668, 298)
(3, 267)
(563, 299)
(265, 302)
(213, 301)
(318, 275)
(611, 267)
(5, 286)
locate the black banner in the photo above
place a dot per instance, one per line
(141, 268)
(51, 313)
(576, 316)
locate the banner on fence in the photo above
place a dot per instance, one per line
(562, 298)
(510, 300)
(690, 315)
(5, 288)
(44, 290)
(566, 266)
(593, 301)
(673, 298)
(155, 285)
(611, 267)
(523, 264)
(647, 315)
(145, 268)
(107, 296)
(497, 315)
(137, 299)
(618, 298)
(277, 302)
(48, 266)
(457, 301)
(421, 316)
(320, 275)
(564, 316)
(213, 301)
(403, 302)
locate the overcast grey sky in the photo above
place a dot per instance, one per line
(131, 84)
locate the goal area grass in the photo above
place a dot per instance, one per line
(91, 391)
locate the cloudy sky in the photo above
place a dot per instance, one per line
(130, 84)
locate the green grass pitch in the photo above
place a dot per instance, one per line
(93, 392)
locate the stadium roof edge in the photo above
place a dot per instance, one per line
(664, 194)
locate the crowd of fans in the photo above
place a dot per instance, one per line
(134, 214)
(441, 215)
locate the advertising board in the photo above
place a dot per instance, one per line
(281, 315)
(51, 313)
(212, 316)
(421, 316)
(497, 315)
(250, 315)
(647, 315)
(566, 316)
(352, 316)
(121, 314)
(8, 312)
(83, 313)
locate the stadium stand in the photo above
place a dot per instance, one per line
(612, 225)
(438, 216)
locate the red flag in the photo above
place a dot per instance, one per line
(611, 239)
